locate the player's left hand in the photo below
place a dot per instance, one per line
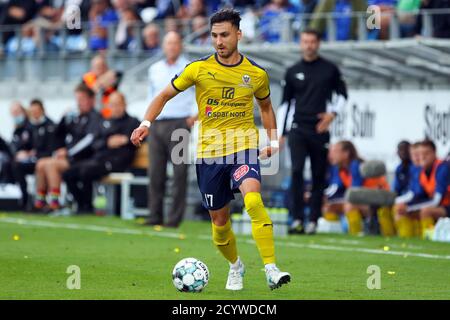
(325, 120)
(267, 152)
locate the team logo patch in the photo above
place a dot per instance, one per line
(240, 172)
(208, 111)
(300, 76)
(227, 93)
(246, 79)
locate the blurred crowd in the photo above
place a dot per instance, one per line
(139, 24)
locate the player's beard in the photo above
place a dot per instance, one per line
(226, 53)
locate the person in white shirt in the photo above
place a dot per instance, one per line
(178, 114)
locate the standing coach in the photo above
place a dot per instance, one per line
(179, 114)
(315, 88)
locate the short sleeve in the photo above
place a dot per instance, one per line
(263, 89)
(442, 179)
(185, 78)
(357, 179)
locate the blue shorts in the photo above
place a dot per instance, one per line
(219, 178)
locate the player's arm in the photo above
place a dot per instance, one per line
(269, 122)
(335, 105)
(155, 108)
(441, 189)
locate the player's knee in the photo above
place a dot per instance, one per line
(349, 207)
(39, 165)
(255, 207)
(425, 213)
(221, 232)
(253, 200)
(219, 220)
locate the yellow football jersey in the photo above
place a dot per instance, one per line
(224, 95)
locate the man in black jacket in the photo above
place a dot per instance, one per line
(21, 139)
(316, 90)
(75, 135)
(113, 152)
(5, 162)
(39, 145)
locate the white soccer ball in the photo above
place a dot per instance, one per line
(190, 275)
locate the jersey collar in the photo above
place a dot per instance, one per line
(229, 65)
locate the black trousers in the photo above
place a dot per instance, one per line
(79, 179)
(314, 146)
(20, 170)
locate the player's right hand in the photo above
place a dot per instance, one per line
(138, 135)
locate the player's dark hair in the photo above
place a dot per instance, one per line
(82, 87)
(311, 31)
(348, 146)
(428, 144)
(37, 102)
(226, 15)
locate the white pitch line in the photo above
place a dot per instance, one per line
(96, 228)
(88, 227)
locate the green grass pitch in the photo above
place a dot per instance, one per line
(122, 260)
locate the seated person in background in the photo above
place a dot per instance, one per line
(348, 162)
(403, 170)
(101, 16)
(407, 11)
(20, 143)
(39, 145)
(408, 225)
(346, 24)
(334, 203)
(5, 162)
(200, 27)
(102, 80)
(429, 194)
(113, 152)
(151, 39)
(271, 21)
(125, 35)
(75, 135)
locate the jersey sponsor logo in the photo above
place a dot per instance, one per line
(300, 76)
(227, 93)
(212, 102)
(256, 171)
(223, 114)
(240, 172)
(212, 74)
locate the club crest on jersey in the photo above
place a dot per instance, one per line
(246, 79)
(208, 111)
(240, 172)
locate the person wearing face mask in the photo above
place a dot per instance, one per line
(21, 140)
(75, 134)
(41, 144)
(5, 162)
(113, 152)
